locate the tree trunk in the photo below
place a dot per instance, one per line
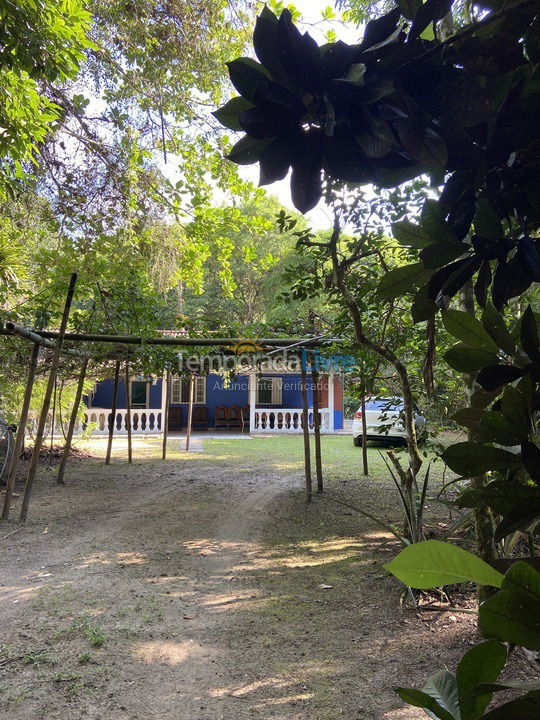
(38, 442)
(128, 413)
(72, 421)
(305, 430)
(112, 423)
(483, 518)
(364, 431)
(168, 383)
(317, 430)
(19, 438)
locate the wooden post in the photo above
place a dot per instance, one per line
(364, 430)
(317, 429)
(47, 401)
(128, 413)
(190, 410)
(52, 421)
(19, 438)
(113, 412)
(72, 421)
(168, 384)
(305, 428)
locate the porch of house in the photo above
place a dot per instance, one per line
(245, 393)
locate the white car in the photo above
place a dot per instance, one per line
(384, 420)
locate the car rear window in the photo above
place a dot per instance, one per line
(383, 405)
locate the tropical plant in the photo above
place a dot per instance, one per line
(511, 615)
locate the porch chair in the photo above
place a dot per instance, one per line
(199, 420)
(235, 418)
(221, 417)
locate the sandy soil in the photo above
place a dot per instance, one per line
(194, 590)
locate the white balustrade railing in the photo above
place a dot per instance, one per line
(288, 420)
(143, 422)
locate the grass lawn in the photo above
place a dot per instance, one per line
(341, 459)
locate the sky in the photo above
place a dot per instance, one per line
(311, 11)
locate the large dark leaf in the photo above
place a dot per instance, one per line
(439, 254)
(430, 11)
(275, 160)
(494, 55)
(529, 257)
(530, 454)
(466, 359)
(482, 284)
(469, 459)
(265, 43)
(228, 114)
(423, 144)
(513, 614)
(524, 708)
(344, 160)
(486, 221)
(375, 138)
(256, 124)
(434, 224)
(499, 374)
(247, 150)
(494, 323)
(529, 334)
(299, 54)
(420, 699)
(468, 329)
(482, 664)
(402, 280)
(443, 689)
(379, 30)
(306, 176)
(495, 427)
(504, 497)
(410, 235)
(409, 8)
(246, 74)
(514, 406)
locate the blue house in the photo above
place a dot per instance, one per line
(253, 401)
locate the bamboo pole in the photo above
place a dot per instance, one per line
(112, 422)
(317, 429)
(364, 431)
(190, 410)
(47, 401)
(128, 413)
(19, 439)
(72, 422)
(305, 429)
(318, 341)
(166, 414)
(53, 419)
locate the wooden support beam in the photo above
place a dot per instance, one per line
(305, 430)
(165, 420)
(183, 341)
(19, 438)
(317, 429)
(46, 401)
(128, 413)
(112, 422)
(190, 410)
(72, 423)
(364, 430)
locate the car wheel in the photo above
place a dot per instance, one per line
(357, 441)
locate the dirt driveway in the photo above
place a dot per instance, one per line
(195, 589)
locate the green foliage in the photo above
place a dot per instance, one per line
(41, 41)
(511, 615)
(433, 563)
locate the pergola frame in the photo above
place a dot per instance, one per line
(54, 340)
